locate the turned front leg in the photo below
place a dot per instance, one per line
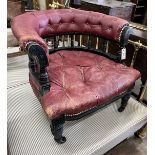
(57, 130)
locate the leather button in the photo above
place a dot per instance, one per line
(109, 27)
(114, 19)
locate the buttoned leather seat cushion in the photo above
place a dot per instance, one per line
(81, 80)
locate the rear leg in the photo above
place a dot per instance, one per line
(124, 101)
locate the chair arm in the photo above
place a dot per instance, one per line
(37, 53)
(38, 62)
(25, 28)
(124, 35)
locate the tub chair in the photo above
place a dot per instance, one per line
(70, 70)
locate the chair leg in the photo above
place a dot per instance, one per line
(57, 130)
(124, 101)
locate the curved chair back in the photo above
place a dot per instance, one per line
(34, 26)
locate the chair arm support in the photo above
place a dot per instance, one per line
(124, 36)
(35, 50)
(38, 62)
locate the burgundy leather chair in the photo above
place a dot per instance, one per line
(75, 79)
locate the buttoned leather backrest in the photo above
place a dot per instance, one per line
(35, 25)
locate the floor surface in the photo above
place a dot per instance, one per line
(131, 146)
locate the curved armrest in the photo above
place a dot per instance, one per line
(25, 27)
(37, 53)
(124, 35)
(38, 62)
(35, 25)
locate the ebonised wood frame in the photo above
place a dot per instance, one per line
(57, 124)
(38, 61)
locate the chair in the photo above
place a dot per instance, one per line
(70, 71)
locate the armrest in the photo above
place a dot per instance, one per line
(25, 27)
(37, 54)
(38, 62)
(124, 35)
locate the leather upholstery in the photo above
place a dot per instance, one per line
(32, 26)
(82, 80)
(79, 80)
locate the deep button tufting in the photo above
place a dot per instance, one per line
(72, 19)
(83, 81)
(76, 92)
(100, 24)
(28, 24)
(50, 26)
(110, 27)
(83, 75)
(115, 19)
